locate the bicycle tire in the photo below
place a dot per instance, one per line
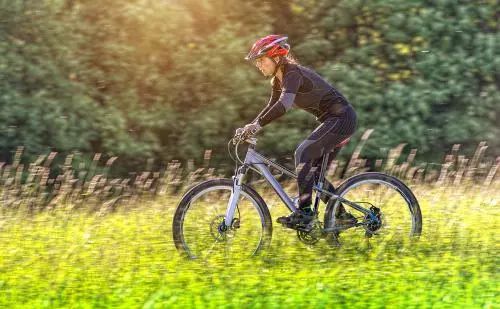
(376, 178)
(227, 184)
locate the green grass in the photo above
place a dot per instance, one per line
(127, 259)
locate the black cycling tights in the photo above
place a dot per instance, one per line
(309, 154)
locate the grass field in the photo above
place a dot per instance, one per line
(126, 259)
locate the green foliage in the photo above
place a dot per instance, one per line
(421, 74)
(167, 80)
(127, 260)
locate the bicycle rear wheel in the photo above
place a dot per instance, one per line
(396, 207)
(198, 226)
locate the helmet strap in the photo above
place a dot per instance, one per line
(278, 64)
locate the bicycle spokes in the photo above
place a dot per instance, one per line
(389, 216)
(205, 232)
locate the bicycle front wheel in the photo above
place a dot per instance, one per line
(199, 230)
(392, 202)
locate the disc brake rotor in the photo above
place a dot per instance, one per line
(373, 225)
(218, 228)
(220, 231)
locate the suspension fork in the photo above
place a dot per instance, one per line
(235, 195)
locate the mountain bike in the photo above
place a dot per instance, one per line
(226, 216)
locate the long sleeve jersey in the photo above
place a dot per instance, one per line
(305, 89)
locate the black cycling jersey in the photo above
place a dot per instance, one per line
(305, 89)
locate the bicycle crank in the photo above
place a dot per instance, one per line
(313, 234)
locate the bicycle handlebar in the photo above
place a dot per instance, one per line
(242, 136)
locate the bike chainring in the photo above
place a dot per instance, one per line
(313, 235)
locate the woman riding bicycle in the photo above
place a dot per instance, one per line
(296, 85)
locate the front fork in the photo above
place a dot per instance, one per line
(235, 195)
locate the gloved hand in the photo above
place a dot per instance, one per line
(239, 131)
(252, 128)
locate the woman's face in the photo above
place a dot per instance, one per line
(265, 65)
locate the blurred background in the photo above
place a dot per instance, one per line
(161, 80)
(109, 108)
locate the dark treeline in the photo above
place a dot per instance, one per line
(166, 79)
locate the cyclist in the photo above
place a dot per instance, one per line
(299, 86)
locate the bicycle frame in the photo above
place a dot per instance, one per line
(257, 161)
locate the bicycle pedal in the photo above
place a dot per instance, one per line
(303, 228)
(306, 229)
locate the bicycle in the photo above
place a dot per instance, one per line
(236, 218)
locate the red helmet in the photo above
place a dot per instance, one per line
(271, 46)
